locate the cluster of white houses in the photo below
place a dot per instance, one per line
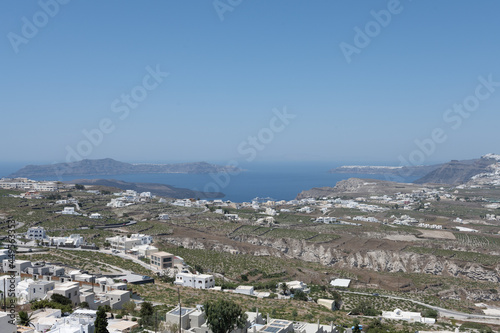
(37, 281)
(26, 184)
(193, 320)
(129, 197)
(39, 234)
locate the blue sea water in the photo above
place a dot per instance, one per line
(280, 181)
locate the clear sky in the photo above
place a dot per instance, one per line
(359, 80)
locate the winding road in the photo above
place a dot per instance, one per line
(487, 319)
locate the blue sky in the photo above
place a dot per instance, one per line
(225, 78)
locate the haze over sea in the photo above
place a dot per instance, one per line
(278, 180)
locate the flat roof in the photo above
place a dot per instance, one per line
(161, 254)
(117, 292)
(119, 324)
(245, 287)
(341, 283)
(184, 311)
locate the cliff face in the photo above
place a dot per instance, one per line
(456, 172)
(414, 171)
(357, 186)
(375, 260)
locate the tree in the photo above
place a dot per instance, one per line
(356, 328)
(60, 299)
(25, 319)
(146, 314)
(337, 298)
(129, 307)
(84, 305)
(431, 313)
(79, 187)
(224, 315)
(284, 288)
(101, 321)
(300, 295)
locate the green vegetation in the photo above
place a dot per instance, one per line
(25, 319)
(365, 308)
(101, 321)
(56, 302)
(477, 327)
(223, 316)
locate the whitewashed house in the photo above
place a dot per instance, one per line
(198, 281)
(36, 233)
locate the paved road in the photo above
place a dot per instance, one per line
(442, 312)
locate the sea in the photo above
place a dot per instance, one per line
(277, 181)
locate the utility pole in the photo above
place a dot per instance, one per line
(180, 310)
(4, 297)
(156, 320)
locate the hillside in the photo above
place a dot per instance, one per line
(108, 166)
(457, 172)
(357, 186)
(156, 189)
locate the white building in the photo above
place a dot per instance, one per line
(328, 303)
(69, 211)
(95, 216)
(46, 186)
(18, 266)
(343, 283)
(414, 317)
(44, 319)
(306, 209)
(232, 217)
(74, 240)
(245, 290)
(29, 290)
(295, 285)
(36, 233)
(80, 321)
(70, 290)
(117, 298)
(108, 284)
(326, 219)
(124, 243)
(270, 211)
(144, 250)
(117, 203)
(198, 281)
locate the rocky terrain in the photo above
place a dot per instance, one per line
(331, 254)
(457, 172)
(453, 173)
(357, 186)
(108, 166)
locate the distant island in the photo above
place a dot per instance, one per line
(156, 189)
(454, 172)
(108, 166)
(417, 171)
